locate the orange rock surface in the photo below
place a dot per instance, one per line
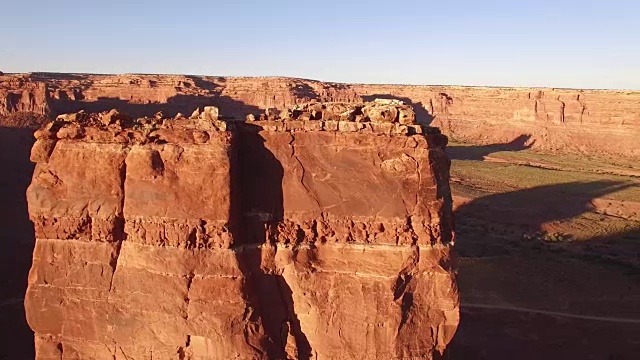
(587, 121)
(198, 239)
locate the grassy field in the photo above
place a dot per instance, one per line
(475, 175)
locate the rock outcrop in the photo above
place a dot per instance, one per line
(200, 239)
(19, 94)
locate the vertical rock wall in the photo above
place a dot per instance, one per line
(272, 240)
(360, 245)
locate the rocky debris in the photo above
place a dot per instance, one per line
(272, 114)
(195, 114)
(114, 126)
(114, 116)
(389, 117)
(388, 102)
(381, 113)
(286, 114)
(344, 126)
(210, 113)
(378, 111)
(143, 246)
(79, 116)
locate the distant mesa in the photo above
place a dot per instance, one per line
(594, 122)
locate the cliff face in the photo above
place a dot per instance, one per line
(178, 239)
(587, 121)
(19, 94)
(583, 121)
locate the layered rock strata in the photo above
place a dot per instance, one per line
(594, 122)
(19, 94)
(186, 239)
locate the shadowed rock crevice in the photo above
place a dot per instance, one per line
(258, 175)
(260, 206)
(300, 348)
(178, 104)
(16, 240)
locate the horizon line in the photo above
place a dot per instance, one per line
(323, 81)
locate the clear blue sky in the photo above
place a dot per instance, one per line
(562, 43)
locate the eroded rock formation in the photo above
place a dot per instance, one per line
(297, 238)
(19, 94)
(594, 122)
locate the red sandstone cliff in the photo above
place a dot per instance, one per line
(21, 94)
(299, 239)
(588, 121)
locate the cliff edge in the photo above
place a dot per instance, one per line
(323, 231)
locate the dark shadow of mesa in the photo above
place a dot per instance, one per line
(230, 109)
(479, 152)
(495, 224)
(491, 228)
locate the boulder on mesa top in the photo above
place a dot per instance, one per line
(113, 116)
(210, 113)
(272, 113)
(388, 101)
(286, 114)
(73, 117)
(380, 113)
(195, 114)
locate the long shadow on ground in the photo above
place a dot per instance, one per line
(504, 217)
(544, 276)
(479, 152)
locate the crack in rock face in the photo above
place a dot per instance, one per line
(319, 237)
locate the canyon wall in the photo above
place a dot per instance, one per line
(200, 239)
(595, 122)
(22, 94)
